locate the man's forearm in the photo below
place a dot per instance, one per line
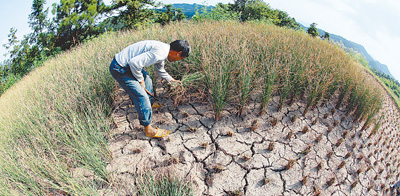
(144, 87)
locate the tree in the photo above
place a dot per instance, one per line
(39, 23)
(12, 45)
(285, 21)
(326, 36)
(23, 61)
(313, 31)
(259, 10)
(170, 14)
(76, 21)
(21, 54)
(256, 10)
(133, 13)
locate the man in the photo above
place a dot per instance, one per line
(127, 69)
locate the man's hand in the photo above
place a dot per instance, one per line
(178, 81)
(143, 84)
(144, 87)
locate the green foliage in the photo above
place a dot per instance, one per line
(169, 14)
(220, 12)
(268, 84)
(75, 21)
(294, 67)
(133, 13)
(12, 45)
(313, 31)
(254, 10)
(259, 10)
(190, 9)
(22, 59)
(326, 36)
(39, 23)
(8, 81)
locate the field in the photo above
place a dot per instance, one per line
(55, 123)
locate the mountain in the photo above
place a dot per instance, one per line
(190, 9)
(360, 49)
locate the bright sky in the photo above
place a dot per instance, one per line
(371, 23)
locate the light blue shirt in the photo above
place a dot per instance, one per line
(143, 54)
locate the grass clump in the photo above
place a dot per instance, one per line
(271, 146)
(265, 181)
(164, 183)
(290, 164)
(268, 85)
(331, 182)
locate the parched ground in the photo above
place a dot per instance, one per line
(278, 153)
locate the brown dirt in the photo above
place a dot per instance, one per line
(239, 154)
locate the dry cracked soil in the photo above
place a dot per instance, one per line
(278, 153)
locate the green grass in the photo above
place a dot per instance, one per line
(163, 184)
(57, 118)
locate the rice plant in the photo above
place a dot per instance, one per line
(163, 183)
(268, 84)
(245, 77)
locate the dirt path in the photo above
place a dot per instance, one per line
(252, 154)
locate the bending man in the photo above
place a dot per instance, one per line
(127, 69)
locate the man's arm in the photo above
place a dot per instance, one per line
(160, 70)
(138, 62)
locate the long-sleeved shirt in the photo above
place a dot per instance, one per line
(143, 54)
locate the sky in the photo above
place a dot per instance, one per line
(372, 23)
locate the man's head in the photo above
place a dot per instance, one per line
(179, 49)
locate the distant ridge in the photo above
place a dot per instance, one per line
(190, 9)
(359, 48)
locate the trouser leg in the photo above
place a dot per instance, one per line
(138, 95)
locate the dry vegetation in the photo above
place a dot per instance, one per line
(242, 60)
(57, 118)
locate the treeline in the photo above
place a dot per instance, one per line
(248, 10)
(75, 21)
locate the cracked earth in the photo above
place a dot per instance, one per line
(278, 153)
